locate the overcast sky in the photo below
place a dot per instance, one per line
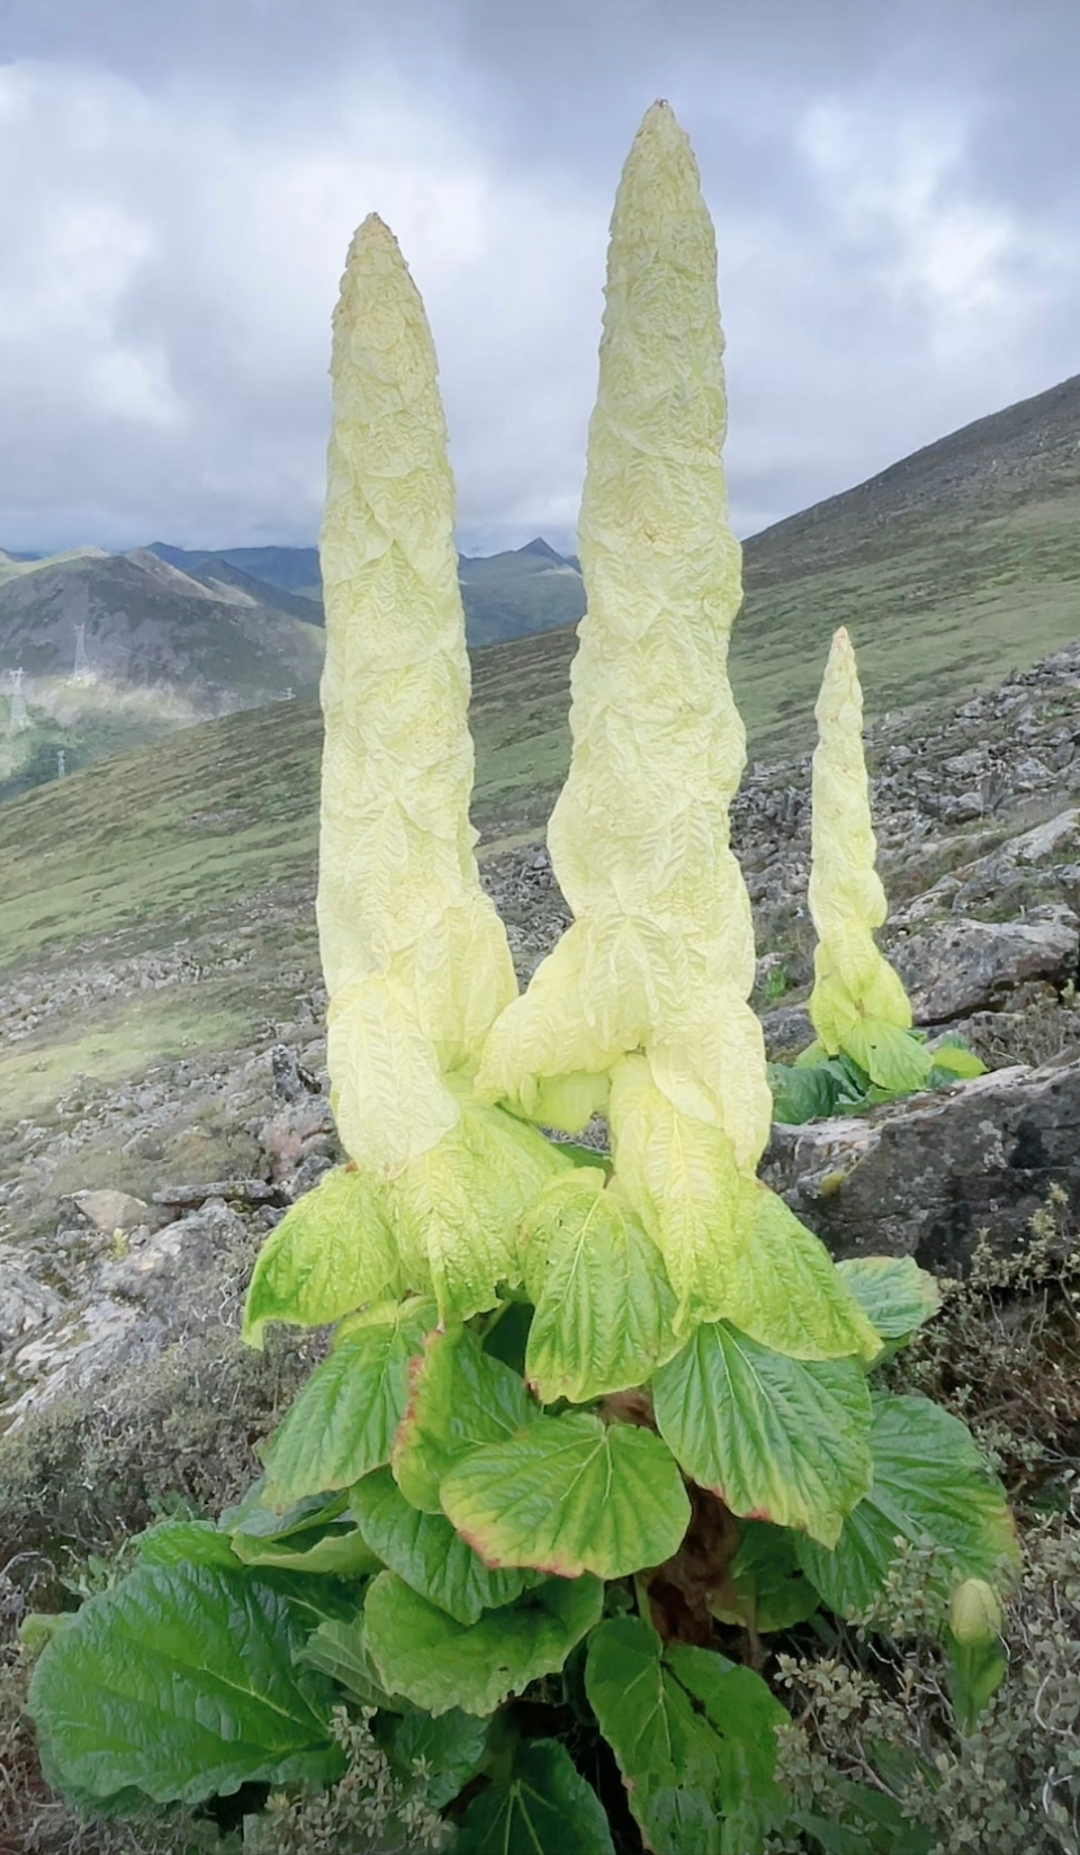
(895, 186)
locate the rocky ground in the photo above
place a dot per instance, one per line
(119, 1199)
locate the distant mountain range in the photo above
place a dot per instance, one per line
(951, 568)
(234, 626)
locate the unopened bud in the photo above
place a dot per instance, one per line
(975, 1614)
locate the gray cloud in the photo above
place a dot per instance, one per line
(895, 190)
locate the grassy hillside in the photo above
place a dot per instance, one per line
(952, 567)
(230, 807)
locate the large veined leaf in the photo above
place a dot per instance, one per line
(338, 1648)
(784, 1290)
(894, 1293)
(421, 1652)
(186, 1542)
(604, 1305)
(458, 1397)
(342, 1553)
(545, 1807)
(766, 1588)
(461, 1203)
(311, 1517)
(452, 1747)
(426, 1552)
(179, 1682)
(344, 1422)
(571, 1495)
(891, 1056)
(779, 1439)
(694, 1736)
(333, 1251)
(679, 1174)
(337, 1551)
(930, 1484)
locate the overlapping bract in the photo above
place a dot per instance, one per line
(416, 959)
(858, 1004)
(661, 954)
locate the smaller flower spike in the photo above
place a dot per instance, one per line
(416, 959)
(858, 1005)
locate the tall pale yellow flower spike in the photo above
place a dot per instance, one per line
(416, 959)
(858, 1004)
(661, 955)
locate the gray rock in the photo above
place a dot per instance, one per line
(923, 1177)
(236, 1191)
(25, 1303)
(161, 1269)
(109, 1211)
(787, 1030)
(960, 966)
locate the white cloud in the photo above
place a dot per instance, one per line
(173, 239)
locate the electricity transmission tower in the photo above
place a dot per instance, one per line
(19, 717)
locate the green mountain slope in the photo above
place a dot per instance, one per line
(950, 568)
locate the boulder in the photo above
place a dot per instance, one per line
(25, 1303)
(109, 1211)
(961, 966)
(924, 1176)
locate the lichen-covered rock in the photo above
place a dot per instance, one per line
(961, 966)
(925, 1176)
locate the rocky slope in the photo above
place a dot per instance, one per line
(979, 828)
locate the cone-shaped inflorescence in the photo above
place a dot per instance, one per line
(415, 957)
(660, 956)
(858, 1005)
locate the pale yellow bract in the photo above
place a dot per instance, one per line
(660, 956)
(847, 901)
(416, 958)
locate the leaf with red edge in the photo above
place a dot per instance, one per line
(571, 1495)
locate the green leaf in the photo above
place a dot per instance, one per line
(333, 1251)
(254, 1518)
(345, 1420)
(892, 1057)
(185, 1542)
(179, 1682)
(571, 1495)
(459, 1397)
(893, 1292)
(604, 1305)
(426, 1552)
(930, 1484)
(777, 1439)
(343, 1554)
(338, 1649)
(785, 1292)
(765, 1587)
(452, 1747)
(802, 1093)
(693, 1734)
(954, 1061)
(421, 1652)
(461, 1203)
(545, 1807)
